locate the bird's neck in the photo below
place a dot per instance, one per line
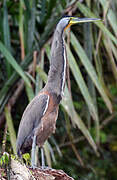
(57, 72)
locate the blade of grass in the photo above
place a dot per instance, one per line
(29, 92)
(10, 128)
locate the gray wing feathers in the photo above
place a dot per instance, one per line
(32, 117)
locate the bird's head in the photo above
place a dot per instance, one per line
(66, 22)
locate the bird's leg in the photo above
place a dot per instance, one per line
(42, 158)
(33, 152)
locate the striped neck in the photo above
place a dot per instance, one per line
(57, 72)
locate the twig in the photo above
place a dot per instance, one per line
(71, 7)
(74, 141)
(17, 93)
(107, 120)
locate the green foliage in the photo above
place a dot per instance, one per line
(26, 158)
(4, 160)
(26, 28)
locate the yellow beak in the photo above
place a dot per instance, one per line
(75, 20)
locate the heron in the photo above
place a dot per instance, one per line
(39, 118)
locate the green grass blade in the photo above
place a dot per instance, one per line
(11, 128)
(13, 63)
(42, 74)
(29, 90)
(30, 93)
(90, 69)
(47, 49)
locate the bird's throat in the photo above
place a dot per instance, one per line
(57, 72)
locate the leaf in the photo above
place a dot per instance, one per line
(13, 63)
(30, 93)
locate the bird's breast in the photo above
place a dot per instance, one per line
(48, 121)
(47, 127)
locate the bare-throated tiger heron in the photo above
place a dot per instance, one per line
(39, 118)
